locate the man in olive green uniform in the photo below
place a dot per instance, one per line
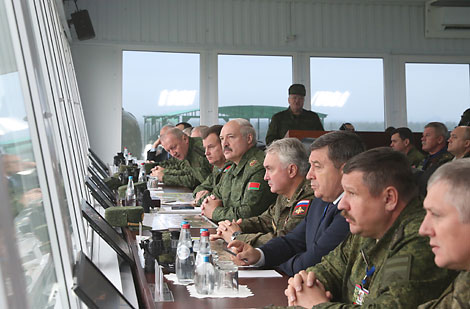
(286, 165)
(243, 192)
(402, 140)
(384, 263)
(434, 143)
(459, 142)
(194, 168)
(447, 224)
(293, 118)
(215, 156)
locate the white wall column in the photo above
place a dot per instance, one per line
(394, 92)
(209, 92)
(301, 74)
(99, 78)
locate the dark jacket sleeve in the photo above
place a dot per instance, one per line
(309, 241)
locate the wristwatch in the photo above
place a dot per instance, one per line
(235, 234)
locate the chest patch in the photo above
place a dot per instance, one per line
(253, 185)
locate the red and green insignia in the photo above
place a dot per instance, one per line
(253, 162)
(227, 168)
(253, 185)
(301, 208)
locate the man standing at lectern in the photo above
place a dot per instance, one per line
(293, 118)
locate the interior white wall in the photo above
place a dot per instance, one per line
(99, 76)
(390, 29)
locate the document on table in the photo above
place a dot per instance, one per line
(162, 221)
(265, 273)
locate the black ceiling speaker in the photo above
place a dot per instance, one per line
(82, 22)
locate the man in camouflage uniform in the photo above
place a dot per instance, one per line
(402, 140)
(215, 156)
(447, 224)
(323, 228)
(243, 192)
(293, 118)
(459, 142)
(286, 165)
(434, 143)
(194, 168)
(384, 263)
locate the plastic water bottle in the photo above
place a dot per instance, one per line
(197, 241)
(130, 193)
(126, 154)
(184, 263)
(204, 248)
(142, 173)
(204, 278)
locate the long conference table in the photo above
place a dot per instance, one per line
(267, 291)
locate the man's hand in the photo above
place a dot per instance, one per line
(227, 228)
(156, 143)
(209, 205)
(246, 254)
(199, 195)
(305, 290)
(158, 172)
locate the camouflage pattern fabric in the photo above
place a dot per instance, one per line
(211, 181)
(436, 160)
(405, 274)
(456, 296)
(429, 165)
(285, 121)
(415, 157)
(243, 191)
(193, 170)
(280, 218)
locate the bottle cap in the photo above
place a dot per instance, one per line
(186, 226)
(205, 233)
(202, 230)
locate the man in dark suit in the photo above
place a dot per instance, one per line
(323, 228)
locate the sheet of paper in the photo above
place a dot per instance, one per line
(265, 273)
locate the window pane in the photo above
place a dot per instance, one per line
(254, 88)
(436, 92)
(158, 88)
(24, 193)
(348, 90)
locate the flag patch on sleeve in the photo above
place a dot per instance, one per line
(253, 185)
(301, 208)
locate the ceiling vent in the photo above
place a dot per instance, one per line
(448, 19)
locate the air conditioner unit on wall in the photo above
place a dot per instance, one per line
(447, 21)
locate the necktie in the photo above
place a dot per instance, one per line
(327, 206)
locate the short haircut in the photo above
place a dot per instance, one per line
(383, 167)
(215, 129)
(389, 130)
(201, 129)
(184, 124)
(290, 151)
(466, 134)
(439, 128)
(456, 174)
(342, 146)
(404, 133)
(177, 133)
(246, 128)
